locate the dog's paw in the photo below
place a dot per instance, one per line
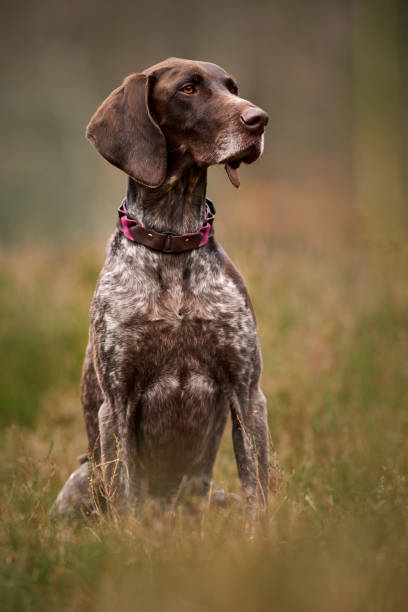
(221, 498)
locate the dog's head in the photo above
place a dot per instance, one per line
(178, 106)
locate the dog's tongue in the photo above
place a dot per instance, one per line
(233, 174)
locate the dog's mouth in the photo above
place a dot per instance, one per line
(247, 155)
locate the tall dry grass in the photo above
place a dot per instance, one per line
(332, 310)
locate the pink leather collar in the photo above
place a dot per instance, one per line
(165, 242)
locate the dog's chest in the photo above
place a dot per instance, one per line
(155, 310)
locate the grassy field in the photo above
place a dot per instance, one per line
(333, 322)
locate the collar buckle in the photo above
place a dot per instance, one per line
(168, 242)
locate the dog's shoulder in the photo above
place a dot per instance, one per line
(232, 273)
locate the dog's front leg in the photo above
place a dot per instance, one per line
(92, 399)
(250, 436)
(260, 440)
(113, 465)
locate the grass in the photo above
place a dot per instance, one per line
(334, 329)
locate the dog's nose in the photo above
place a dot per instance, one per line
(254, 118)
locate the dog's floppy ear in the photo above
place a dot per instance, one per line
(124, 132)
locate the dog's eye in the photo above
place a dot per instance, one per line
(188, 89)
(234, 90)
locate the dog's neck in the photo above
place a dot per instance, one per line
(177, 206)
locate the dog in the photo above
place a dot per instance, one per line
(173, 345)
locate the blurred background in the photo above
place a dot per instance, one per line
(331, 74)
(319, 230)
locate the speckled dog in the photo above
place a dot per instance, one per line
(173, 345)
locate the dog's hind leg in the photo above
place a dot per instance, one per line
(79, 494)
(75, 498)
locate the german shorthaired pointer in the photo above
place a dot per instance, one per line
(173, 345)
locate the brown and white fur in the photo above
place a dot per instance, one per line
(173, 345)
